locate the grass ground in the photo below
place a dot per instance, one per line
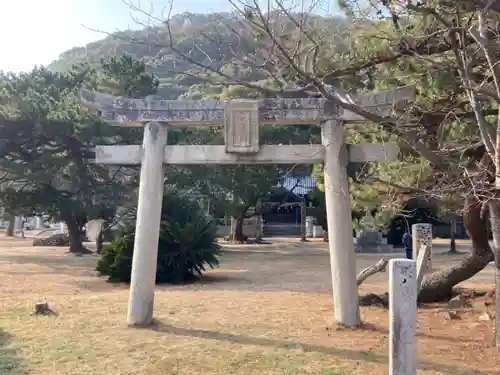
(260, 313)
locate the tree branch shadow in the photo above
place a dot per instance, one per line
(10, 362)
(385, 331)
(351, 354)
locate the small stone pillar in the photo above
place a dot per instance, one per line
(309, 226)
(18, 224)
(317, 231)
(422, 235)
(232, 225)
(259, 228)
(39, 222)
(403, 317)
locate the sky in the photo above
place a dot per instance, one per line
(36, 32)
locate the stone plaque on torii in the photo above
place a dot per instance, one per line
(241, 120)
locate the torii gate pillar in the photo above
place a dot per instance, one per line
(338, 213)
(143, 277)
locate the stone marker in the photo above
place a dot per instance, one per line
(42, 307)
(422, 261)
(18, 224)
(370, 239)
(456, 303)
(403, 317)
(242, 120)
(61, 229)
(422, 235)
(93, 229)
(309, 226)
(55, 239)
(38, 223)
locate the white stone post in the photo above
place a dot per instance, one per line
(18, 224)
(232, 225)
(260, 228)
(142, 284)
(39, 222)
(422, 235)
(338, 209)
(303, 231)
(309, 226)
(403, 317)
(422, 260)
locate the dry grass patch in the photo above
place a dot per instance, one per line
(266, 314)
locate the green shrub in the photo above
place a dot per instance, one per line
(186, 245)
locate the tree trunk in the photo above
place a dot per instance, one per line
(237, 236)
(494, 210)
(75, 235)
(99, 242)
(453, 234)
(453, 246)
(10, 228)
(303, 221)
(439, 285)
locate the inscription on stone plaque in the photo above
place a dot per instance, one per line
(241, 123)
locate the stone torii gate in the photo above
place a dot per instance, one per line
(241, 120)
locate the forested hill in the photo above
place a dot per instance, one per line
(209, 38)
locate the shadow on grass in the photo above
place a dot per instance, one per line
(351, 354)
(10, 362)
(385, 331)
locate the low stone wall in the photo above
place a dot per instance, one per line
(58, 239)
(249, 230)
